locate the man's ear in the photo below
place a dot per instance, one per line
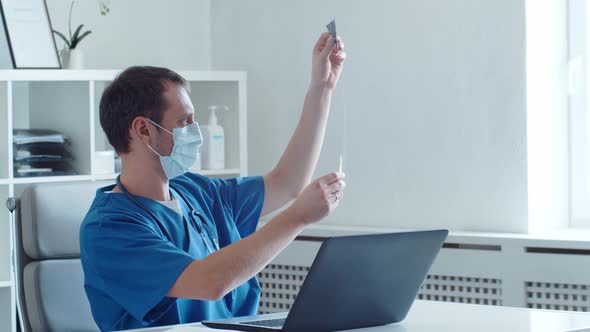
(141, 129)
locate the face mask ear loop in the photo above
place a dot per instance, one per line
(157, 125)
(154, 151)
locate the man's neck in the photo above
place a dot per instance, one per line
(142, 178)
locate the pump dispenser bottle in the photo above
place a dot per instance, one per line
(213, 149)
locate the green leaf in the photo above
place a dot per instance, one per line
(63, 37)
(70, 18)
(76, 33)
(80, 38)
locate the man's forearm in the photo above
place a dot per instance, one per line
(300, 158)
(216, 275)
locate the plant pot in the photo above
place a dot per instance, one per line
(64, 57)
(72, 58)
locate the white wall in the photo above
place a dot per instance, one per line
(435, 96)
(172, 33)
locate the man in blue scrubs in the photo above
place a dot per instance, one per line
(163, 246)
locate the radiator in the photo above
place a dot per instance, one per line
(492, 274)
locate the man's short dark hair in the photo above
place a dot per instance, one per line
(137, 91)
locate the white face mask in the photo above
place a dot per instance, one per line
(187, 141)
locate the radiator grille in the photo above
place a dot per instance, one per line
(557, 296)
(462, 290)
(280, 285)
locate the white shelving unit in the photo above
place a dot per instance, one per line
(67, 101)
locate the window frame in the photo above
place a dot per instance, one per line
(579, 112)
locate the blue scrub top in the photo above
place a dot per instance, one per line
(130, 265)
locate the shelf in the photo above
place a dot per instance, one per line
(7, 310)
(5, 130)
(5, 240)
(205, 172)
(99, 177)
(109, 75)
(210, 172)
(46, 179)
(57, 99)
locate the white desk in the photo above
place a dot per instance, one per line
(451, 317)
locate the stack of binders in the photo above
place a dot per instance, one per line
(41, 152)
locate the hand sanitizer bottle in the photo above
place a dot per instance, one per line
(213, 149)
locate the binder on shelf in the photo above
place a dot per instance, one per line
(28, 136)
(41, 152)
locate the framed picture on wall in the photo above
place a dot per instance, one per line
(5, 58)
(29, 34)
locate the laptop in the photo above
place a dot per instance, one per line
(354, 282)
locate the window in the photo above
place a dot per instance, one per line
(579, 107)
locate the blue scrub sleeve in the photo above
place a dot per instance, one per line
(244, 197)
(137, 265)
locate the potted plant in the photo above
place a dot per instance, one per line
(71, 56)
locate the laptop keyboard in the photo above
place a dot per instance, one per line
(267, 323)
